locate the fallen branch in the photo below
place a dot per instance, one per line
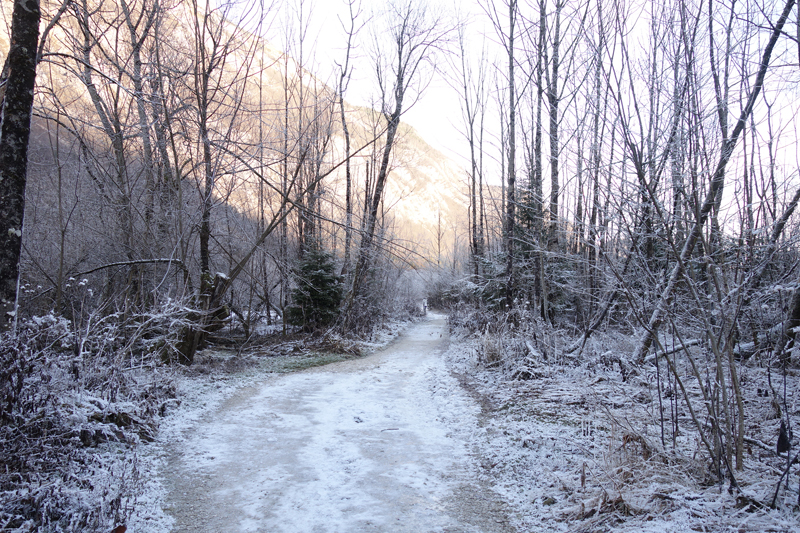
(177, 262)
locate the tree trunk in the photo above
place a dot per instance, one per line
(539, 279)
(365, 250)
(14, 134)
(348, 223)
(553, 99)
(717, 182)
(511, 194)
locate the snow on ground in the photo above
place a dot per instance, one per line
(577, 448)
(380, 443)
(421, 437)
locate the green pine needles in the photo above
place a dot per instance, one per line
(318, 293)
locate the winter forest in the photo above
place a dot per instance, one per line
(193, 189)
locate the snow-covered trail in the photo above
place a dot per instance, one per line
(376, 444)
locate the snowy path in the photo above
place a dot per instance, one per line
(372, 445)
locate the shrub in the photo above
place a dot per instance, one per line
(73, 405)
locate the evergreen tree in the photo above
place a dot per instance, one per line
(318, 293)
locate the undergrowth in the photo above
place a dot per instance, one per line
(73, 406)
(78, 397)
(597, 441)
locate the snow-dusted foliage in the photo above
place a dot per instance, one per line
(76, 399)
(592, 441)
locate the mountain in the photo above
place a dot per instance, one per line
(425, 204)
(430, 197)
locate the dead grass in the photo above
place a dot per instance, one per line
(579, 442)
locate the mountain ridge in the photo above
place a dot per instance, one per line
(425, 195)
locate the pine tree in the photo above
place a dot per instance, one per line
(318, 293)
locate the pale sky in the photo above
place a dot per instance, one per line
(437, 116)
(437, 113)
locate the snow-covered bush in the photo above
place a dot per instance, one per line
(488, 290)
(518, 343)
(74, 400)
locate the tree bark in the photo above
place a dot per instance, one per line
(15, 129)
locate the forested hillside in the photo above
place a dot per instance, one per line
(625, 200)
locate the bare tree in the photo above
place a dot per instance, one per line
(415, 35)
(505, 27)
(16, 101)
(471, 85)
(345, 71)
(716, 182)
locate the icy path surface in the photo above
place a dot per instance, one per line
(378, 444)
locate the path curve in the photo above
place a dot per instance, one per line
(379, 444)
